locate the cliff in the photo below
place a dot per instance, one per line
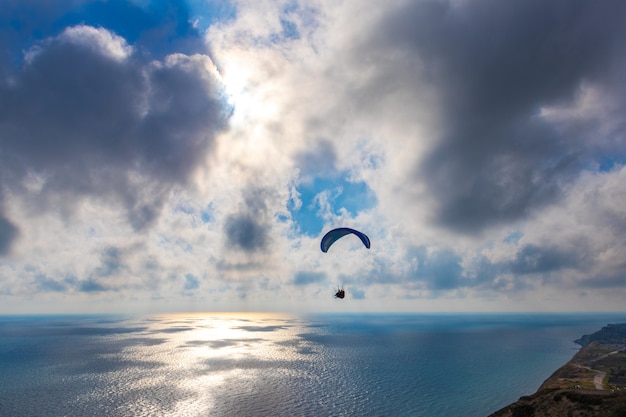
(610, 334)
(592, 383)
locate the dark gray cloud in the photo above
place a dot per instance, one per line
(494, 65)
(8, 232)
(90, 118)
(249, 229)
(245, 232)
(531, 259)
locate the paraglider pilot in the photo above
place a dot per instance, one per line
(336, 234)
(340, 293)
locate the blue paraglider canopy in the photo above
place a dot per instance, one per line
(336, 234)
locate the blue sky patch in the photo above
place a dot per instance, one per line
(513, 237)
(607, 163)
(354, 197)
(207, 214)
(191, 282)
(204, 13)
(161, 27)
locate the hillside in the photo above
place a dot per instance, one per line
(592, 383)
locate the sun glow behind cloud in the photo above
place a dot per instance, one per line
(251, 100)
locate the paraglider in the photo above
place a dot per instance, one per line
(340, 293)
(336, 234)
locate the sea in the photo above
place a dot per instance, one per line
(262, 364)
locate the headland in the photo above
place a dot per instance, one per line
(592, 383)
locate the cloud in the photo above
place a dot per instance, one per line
(246, 233)
(100, 41)
(108, 124)
(44, 283)
(111, 263)
(8, 232)
(249, 229)
(534, 259)
(615, 281)
(491, 157)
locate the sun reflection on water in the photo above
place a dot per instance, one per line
(198, 354)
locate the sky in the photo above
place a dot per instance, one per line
(188, 155)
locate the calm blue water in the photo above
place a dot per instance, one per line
(263, 364)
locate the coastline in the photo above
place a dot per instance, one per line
(592, 383)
